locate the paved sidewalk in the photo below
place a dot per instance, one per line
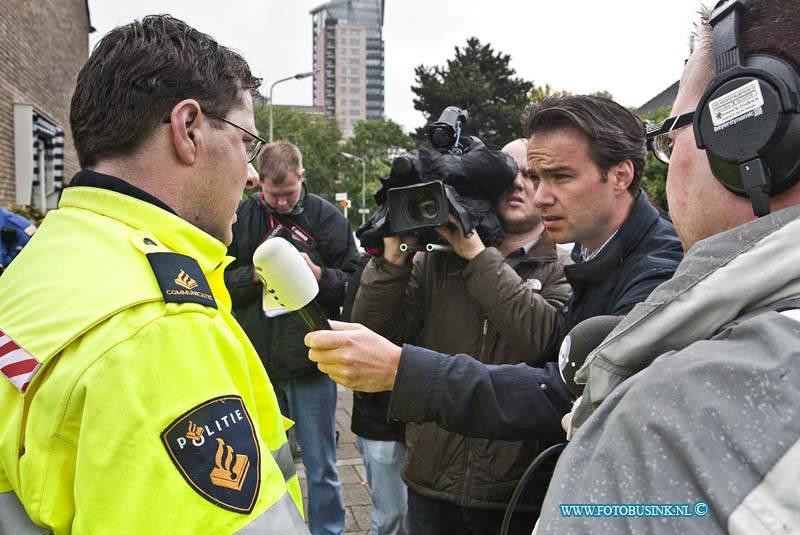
(357, 498)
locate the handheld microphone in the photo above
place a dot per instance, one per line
(584, 338)
(289, 282)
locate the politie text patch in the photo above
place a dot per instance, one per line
(214, 447)
(180, 278)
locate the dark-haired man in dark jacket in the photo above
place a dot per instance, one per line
(586, 156)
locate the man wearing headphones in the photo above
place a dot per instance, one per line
(706, 420)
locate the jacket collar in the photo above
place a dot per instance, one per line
(174, 233)
(543, 249)
(636, 226)
(93, 179)
(697, 302)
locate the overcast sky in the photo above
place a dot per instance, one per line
(631, 48)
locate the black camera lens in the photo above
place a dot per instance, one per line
(423, 209)
(442, 138)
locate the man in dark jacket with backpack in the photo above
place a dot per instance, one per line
(285, 208)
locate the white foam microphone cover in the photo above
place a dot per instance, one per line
(288, 280)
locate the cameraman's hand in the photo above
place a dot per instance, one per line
(391, 248)
(467, 248)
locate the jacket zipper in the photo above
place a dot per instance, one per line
(468, 454)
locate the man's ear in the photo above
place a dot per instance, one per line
(621, 176)
(301, 175)
(185, 121)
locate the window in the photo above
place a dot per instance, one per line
(355, 102)
(39, 154)
(355, 90)
(355, 61)
(355, 111)
(355, 80)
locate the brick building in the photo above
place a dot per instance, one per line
(43, 45)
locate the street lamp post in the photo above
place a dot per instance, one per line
(295, 77)
(363, 210)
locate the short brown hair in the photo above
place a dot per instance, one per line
(277, 160)
(766, 27)
(138, 72)
(614, 134)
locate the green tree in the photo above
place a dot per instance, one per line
(603, 93)
(538, 93)
(377, 142)
(654, 181)
(316, 136)
(480, 81)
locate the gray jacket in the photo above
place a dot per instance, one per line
(696, 398)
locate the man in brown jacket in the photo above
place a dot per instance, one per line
(501, 305)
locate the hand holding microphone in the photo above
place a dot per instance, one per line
(288, 281)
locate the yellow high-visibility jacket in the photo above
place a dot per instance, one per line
(134, 404)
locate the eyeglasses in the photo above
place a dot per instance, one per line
(254, 147)
(658, 140)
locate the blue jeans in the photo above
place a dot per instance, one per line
(427, 516)
(383, 460)
(311, 402)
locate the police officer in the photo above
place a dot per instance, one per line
(15, 232)
(133, 402)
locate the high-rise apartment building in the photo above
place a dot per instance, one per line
(348, 60)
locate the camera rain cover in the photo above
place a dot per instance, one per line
(472, 181)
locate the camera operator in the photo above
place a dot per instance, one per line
(501, 304)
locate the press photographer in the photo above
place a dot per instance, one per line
(459, 176)
(498, 299)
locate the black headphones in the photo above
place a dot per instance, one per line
(748, 120)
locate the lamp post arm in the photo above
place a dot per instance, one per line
(276, 82)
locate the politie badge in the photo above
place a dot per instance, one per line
(214, 447)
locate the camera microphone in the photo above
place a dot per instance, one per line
(446, 132)
(584, 338)
(289, 282)
(402, 166)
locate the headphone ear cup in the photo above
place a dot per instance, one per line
(752, 114)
